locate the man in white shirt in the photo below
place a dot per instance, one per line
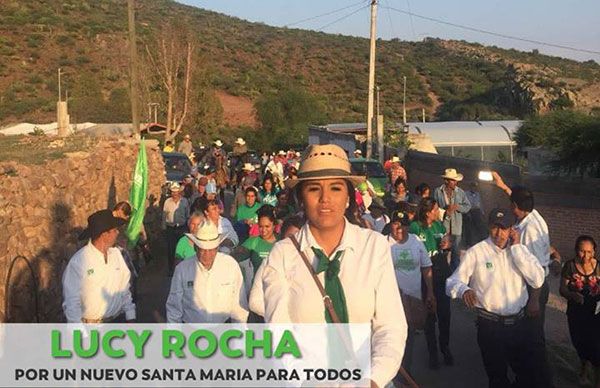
(535, 236)
(210, 288)
(96, 280)
(493, 277)
(176, 211)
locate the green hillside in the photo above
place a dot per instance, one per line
(88, 39)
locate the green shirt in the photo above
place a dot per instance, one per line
(259, 250)
(430, 236)
(185, 249)
(244, 212)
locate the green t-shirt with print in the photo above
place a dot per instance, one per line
(259, 250)
(430, 236)
(185, 249)
(245, 212)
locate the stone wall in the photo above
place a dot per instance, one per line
(43, 208)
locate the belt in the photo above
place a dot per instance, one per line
(100, 320)
(507, 320)
(175, 226)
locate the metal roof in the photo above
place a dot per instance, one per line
(468, 133)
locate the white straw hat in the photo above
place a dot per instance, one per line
(451, 173)
(240, 141)
(324, 162)
(207, 236)
(218, 143)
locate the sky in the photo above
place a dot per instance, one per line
(573, 23)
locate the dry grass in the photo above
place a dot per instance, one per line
(36, 150)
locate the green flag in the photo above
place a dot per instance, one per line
(137, 196)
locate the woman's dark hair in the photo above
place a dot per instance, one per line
(584, 238)
(249, 189)
(522, 198)
(208, 203)
(125, 207)
(296, 221)
(421, 188)
(266, 211)
(399, 181)
(352, 212)
(425, 206)
(268, 178)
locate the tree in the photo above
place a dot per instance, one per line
(286, 115)
(574, 137)
(172, 59)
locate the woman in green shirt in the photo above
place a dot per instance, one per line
(257, 248)
(432, 233)
(245, 215)
(268, 192)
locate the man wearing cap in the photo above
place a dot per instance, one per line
(454, 201)
(492, 278)
(185, 147)
(96, 280)
(535, 236)
(176, 211)
(210, 288)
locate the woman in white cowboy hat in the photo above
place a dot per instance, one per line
(359, 278)
(195, 299)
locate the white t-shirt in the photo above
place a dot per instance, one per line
(408, 259)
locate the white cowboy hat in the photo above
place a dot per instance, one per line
(281, 152)
(452, 174)
(186, 137)
(248, 167)
(240, 141)
(327, 161)
(218, 143)
(207, 236)
(175, 187)
(395, 159)
(358, 152)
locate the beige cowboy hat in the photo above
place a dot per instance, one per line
(175, 187)
(240, 141)
(452, 174)
(248, 167)
(218, 143)
(327, 161)
(207, 236)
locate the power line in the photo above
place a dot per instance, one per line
(342, 18)
(495, 33)
(324, 14)
(412, 26)
(390, 20)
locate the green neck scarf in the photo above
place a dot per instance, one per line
(333, 285)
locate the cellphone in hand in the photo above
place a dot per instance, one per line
(485, 176)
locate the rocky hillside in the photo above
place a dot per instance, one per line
(88, 40)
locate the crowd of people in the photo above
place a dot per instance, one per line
(308, 241)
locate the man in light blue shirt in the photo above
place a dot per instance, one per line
(455, 203)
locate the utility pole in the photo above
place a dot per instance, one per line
(59, 86)
(380, 150)
(133, 69)
(371, 78)
(404, 104)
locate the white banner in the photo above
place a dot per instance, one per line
(241, 355)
